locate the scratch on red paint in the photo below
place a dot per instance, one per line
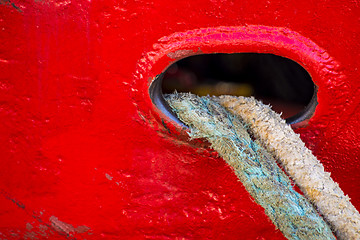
(14, 200)
(8, 2)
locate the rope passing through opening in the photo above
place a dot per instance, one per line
(298, 161)
(253, 161)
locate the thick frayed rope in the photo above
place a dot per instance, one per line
(291, 213)
(298, 161)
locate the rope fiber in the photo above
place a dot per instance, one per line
(298, 161)
(229, 122)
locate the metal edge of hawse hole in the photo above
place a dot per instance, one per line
(159, 101)
(157, 97)
(307, 112)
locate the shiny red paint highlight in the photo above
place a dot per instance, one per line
(83, 152)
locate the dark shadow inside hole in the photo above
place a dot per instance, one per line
(275, 80)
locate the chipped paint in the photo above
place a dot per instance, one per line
(108, 176)
(180, 54)
(65, 228)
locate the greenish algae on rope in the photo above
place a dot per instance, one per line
(270, 187)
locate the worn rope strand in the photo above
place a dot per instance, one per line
(298, 161)
(270, 187)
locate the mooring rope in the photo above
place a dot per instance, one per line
(298, 161)
(257, 169)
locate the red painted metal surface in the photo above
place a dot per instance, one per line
(83, 152)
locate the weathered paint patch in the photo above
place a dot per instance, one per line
(65, 228)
